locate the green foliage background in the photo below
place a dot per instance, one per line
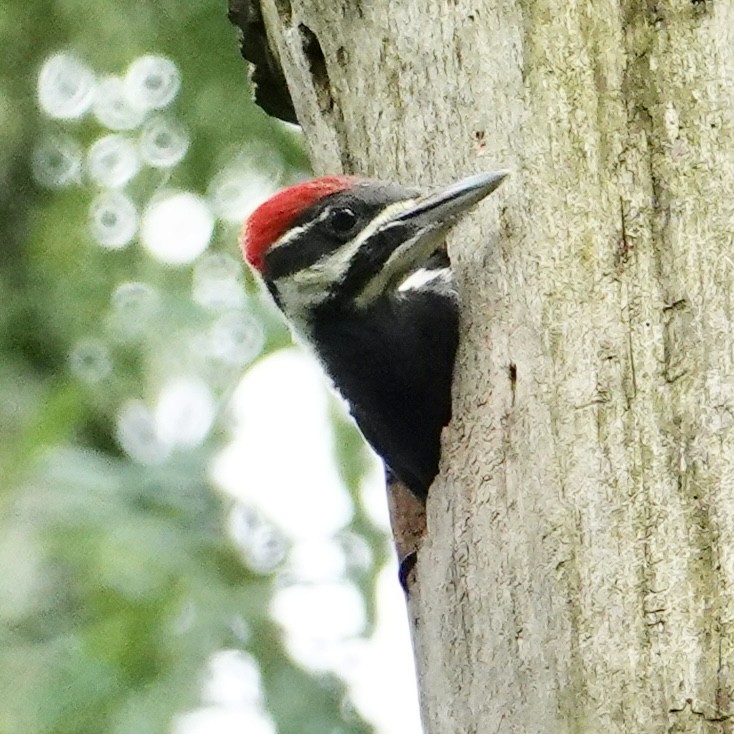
(100, 557)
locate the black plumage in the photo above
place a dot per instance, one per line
(400, 396)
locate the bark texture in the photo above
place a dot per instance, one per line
(578, 572)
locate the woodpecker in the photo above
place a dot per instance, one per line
(359, 269)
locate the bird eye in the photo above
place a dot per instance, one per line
(342, 220)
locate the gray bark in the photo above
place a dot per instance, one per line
(578, 570)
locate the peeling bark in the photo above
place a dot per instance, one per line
(269, 87)
(578, 572)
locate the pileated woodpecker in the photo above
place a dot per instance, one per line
(358, 268)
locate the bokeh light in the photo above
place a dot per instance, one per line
(57, 161)
(137, 434)
(113, 220)
(251, 177)
(163, 142)
(152, 82)
(112, 107)
(90, 360)
(217, 284)
(177, 227)
(113, 161)
(133, 307)
(185, 412)
(261, 545)
(66, 87)
(236, 338)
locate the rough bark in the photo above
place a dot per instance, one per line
(578, 571)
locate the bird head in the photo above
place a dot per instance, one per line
(347, 241)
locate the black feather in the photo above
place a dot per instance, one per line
(400, 397)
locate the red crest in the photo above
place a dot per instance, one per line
(272, 218)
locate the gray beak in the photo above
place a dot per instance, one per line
(416, 232)
(441, 209)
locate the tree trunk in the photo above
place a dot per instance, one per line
(578, 571)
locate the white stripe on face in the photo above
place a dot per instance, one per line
(296, 232)
(305, 289)
(402, 261)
